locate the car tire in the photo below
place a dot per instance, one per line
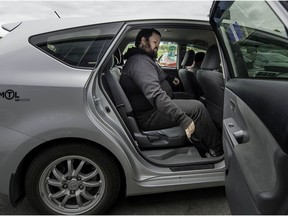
(72, 178)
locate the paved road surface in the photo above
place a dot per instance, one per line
(206, 201)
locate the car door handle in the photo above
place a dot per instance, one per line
(239, 136)
(234, 130)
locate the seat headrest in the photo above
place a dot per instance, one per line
(188, 58)
(211, 60)
(199, 56)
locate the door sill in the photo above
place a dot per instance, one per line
(180, 157)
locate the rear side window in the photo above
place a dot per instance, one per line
(80, 47)
(167, 53)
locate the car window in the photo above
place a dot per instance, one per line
(167, 53)
(81, 47)
(256, 39)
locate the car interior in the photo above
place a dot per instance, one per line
(170, 146)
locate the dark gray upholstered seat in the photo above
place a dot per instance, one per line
(210, 78)
(188, 78)
(199, 56)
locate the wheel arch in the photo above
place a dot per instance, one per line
(17, 188)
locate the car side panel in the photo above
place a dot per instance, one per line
(43, 101)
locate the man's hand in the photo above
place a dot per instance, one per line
(190, 130)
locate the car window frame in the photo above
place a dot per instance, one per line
(108, 32)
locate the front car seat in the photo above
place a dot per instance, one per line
(210, 77)
(188, 78)
(199, 56)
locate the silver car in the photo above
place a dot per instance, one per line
(69, 140)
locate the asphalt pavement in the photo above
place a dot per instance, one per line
(208, 201)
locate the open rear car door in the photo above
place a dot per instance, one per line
(255, 125)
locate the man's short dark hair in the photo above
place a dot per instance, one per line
(146, 33)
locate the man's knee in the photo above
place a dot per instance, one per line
(191, 107)
(198, 105)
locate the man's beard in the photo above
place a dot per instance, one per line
(151, 52)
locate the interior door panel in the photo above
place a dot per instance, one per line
(255, 142)
(255, 125)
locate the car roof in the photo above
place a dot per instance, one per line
(54, 24)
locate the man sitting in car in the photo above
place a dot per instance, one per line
(151, 97)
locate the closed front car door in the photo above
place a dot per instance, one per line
(254, 49)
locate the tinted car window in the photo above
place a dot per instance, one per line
(257, 39)
(80, 47)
